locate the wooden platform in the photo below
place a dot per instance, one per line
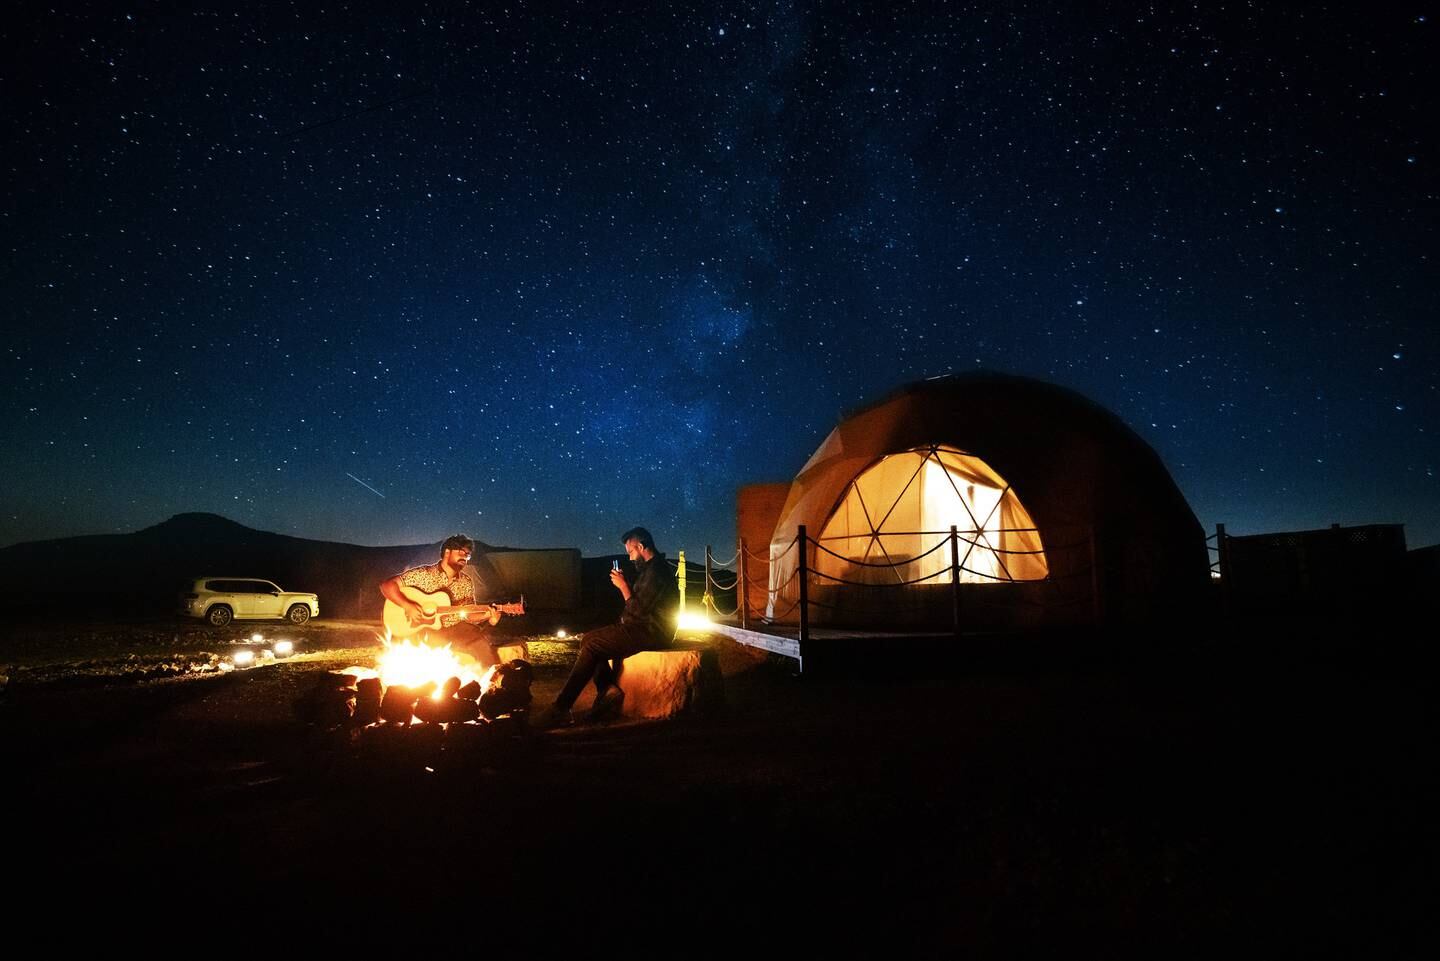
(784, 639)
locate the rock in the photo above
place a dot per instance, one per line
(398, 704)
(367, 701)
(509, 689)
(661, 684)
(518, 651)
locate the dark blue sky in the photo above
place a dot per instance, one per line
(545, 272)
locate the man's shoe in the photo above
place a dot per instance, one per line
(607, 706)
(551, 718)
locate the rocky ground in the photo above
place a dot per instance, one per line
(1182, 805)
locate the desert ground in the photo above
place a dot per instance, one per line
(1217, 795)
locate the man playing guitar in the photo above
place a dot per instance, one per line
(462, 624)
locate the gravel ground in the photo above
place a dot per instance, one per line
(917, 812)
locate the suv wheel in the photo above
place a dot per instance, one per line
(219, 615)
(298, 614)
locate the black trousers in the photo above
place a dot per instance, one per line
(598, 649)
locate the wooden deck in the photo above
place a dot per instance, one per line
(784, 639)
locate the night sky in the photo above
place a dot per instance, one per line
(539, 272)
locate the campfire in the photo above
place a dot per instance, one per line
(422, 694)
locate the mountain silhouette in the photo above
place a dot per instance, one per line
(145, 571)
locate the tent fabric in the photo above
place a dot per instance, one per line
(1112, 531)
(899, 511)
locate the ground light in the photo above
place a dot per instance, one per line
(243, 658)
(694, 622)
(284, 648)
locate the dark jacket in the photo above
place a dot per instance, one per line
(654, 603)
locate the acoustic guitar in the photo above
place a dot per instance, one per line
(436, 604)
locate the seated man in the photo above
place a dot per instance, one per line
(647, 624)
(449, 575)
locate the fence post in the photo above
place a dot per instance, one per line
(802, 541)
(680, 574)
(1222, 551)
(955, 576)
(708, 598)
(744, 586)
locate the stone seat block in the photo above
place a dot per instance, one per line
(662, 684)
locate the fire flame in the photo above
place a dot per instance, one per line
(413, 663)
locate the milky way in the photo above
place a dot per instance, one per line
(543, 272)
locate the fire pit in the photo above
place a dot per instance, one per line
(423, 706)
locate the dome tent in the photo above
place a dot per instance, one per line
(1064, 514)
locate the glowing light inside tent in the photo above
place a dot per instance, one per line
(893, 523)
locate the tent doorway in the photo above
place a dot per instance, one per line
(892, 523)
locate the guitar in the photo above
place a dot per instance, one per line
(397, 622)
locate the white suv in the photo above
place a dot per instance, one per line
(220, 600)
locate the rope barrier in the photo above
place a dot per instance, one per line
(964, 540)
(732, 560)
(962, 530)
(1074, 546)
(838, 580)
(723, 587)
(758, 555)
(709, 601)
(777, 590)
(784, 613)
(891, 564)
(942, 572)
(766, 555)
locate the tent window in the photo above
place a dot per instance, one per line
(898, 512)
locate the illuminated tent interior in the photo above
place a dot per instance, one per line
(898, 513)
(1063, 515)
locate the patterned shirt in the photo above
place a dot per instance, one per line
(431, 578)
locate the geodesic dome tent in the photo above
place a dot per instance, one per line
(1061, 514)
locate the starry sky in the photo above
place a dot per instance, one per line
(542, 271)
